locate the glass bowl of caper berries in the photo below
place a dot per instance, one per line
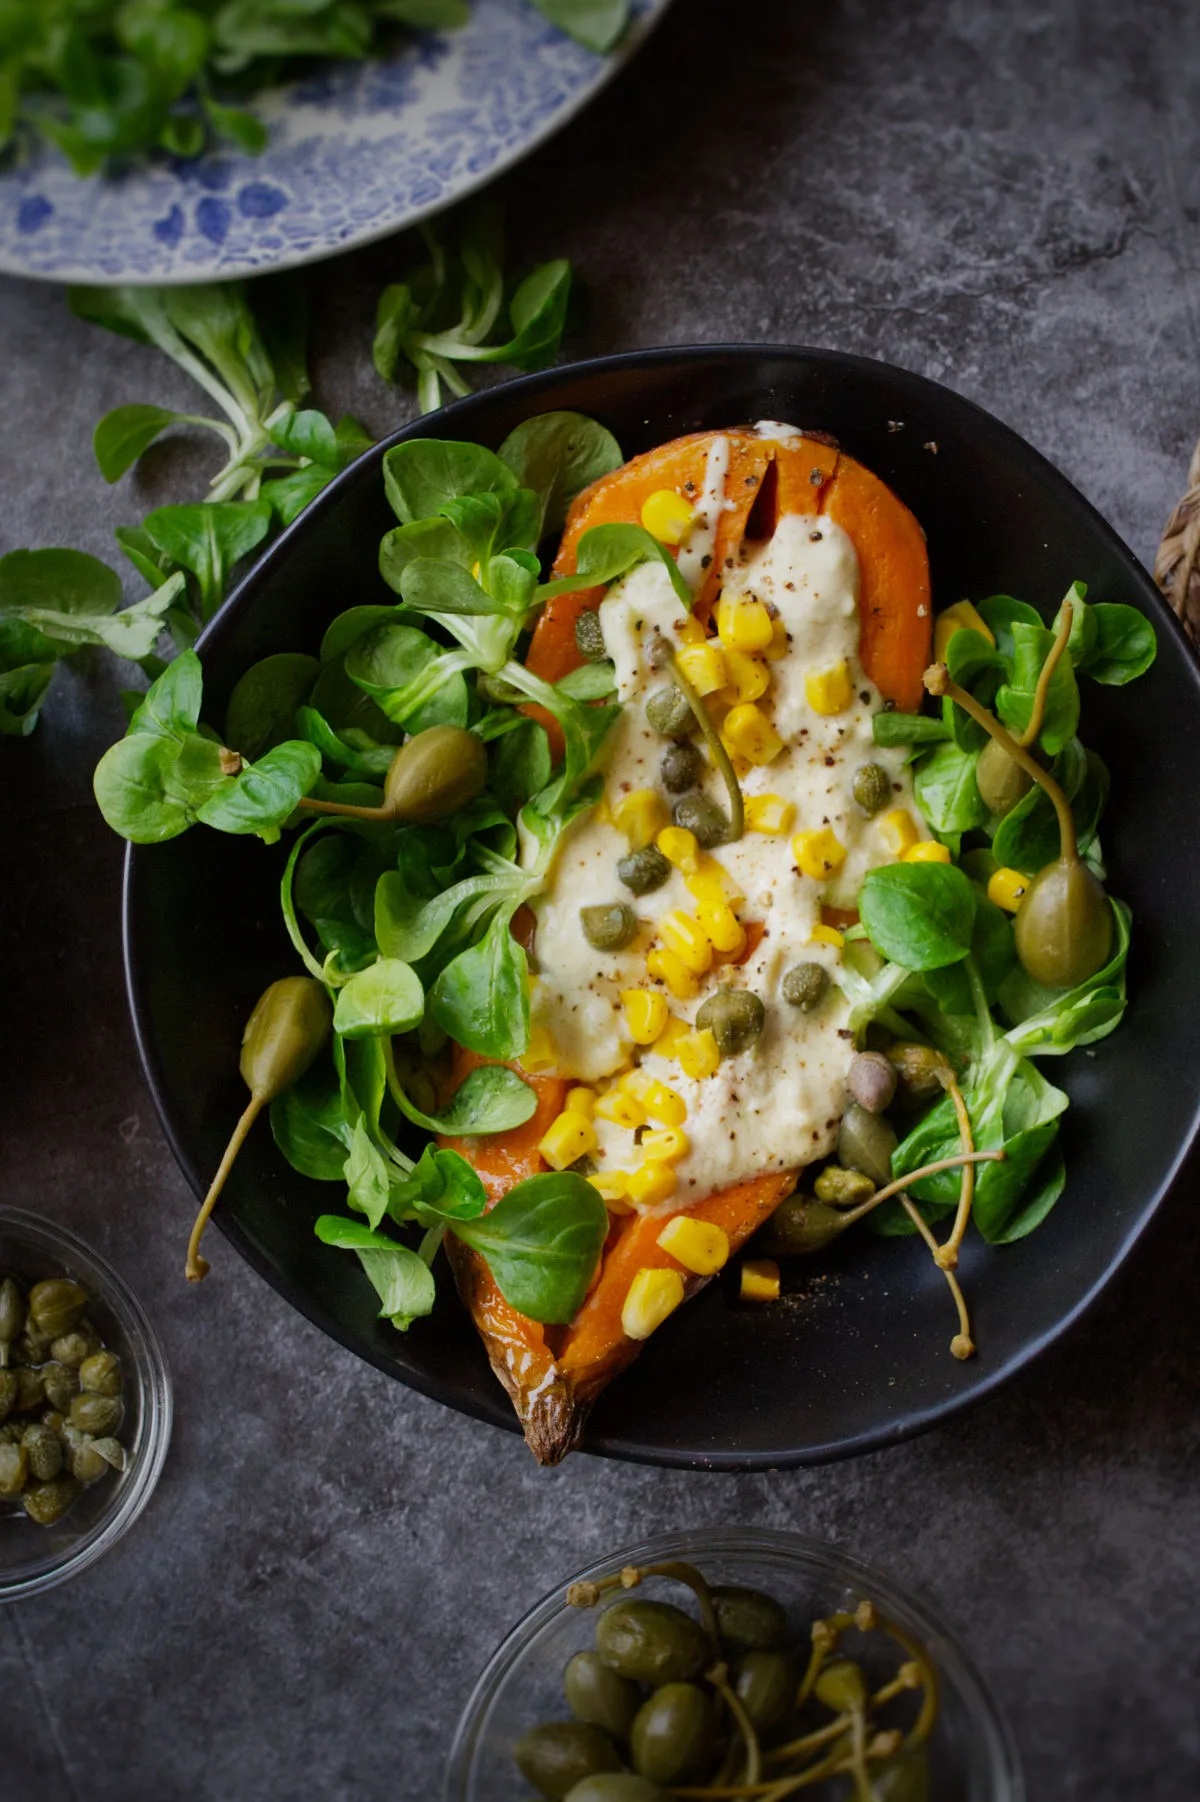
(85, 1405)
(726, 1663)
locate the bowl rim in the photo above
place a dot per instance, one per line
(131, 1497)
(456, 419)
(955, 1664)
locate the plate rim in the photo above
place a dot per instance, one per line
(485, 1407)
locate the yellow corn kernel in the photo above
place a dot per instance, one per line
(712, 883)
(953, 620)
(760, 1280)
(899, 831)
(698, 1054)
(749, 678)
(769, 813)
(569, 1137)
(927, 850)
(645, 1014)
(640, 816)
(819, 853)
(1006, 888)
(580, 1101)
(704, 666)
(657, 1100)
(685, 937)
(680, 847)
(748, 733)
(666, 1145)
(539, 1055)
(744, 624)
(612, 1186)
(826, 935)
(691, 630)
(667, 516)
(651, 1184)
(699, 1245)
(667, 1042)
(778, 646)
(829, 691)
(621, 1110)
(664, 966)
(723, 929)
(652, 1296)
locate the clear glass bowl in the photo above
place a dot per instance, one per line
(972, 1755)
(34, 1558)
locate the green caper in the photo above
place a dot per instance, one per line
(560, 1754)
(799, 1227)
(749, 1620)
(589, 638)
(434, 774)
(97, 1414)
(843, 1188)
(101, 1374)
(698, 815)
(60, 1384)
(1000, 779)
(30, 1347)
(88, 1464)
(10, 1432)
(651, 1642)
(617, 1786)
(55, 1420)
(112, 1452)
(609, 925)
(645, 870)
(31, 1391)
(14, 1470)
(735, 1017)
(765, 1683)
(904, 1778)
(871, 1081)
(919, 1069)
(12, 1315)
(841, 1686)
(674, 1734)
(668, 713)
(288, 1026)
(55, 1306)
(1064, 926)
(866, 1142)
(72, 1348)
(598, 1696)
(682, 766)
(45, 1452)
(871, 788)
(804, 986)
(48, 1502)
(9, 1390)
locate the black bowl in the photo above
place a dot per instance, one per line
(862, 1359)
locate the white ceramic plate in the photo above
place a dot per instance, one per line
(357, 150)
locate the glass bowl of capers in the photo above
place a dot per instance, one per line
(85, 1405)
(732, 1662)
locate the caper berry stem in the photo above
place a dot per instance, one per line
(939, 682)
(343, 810)
(687, 1574)
(947, 1257)
(712, 738)
(924, 1724)
(197, 1267)
(1042, 691)
(960, 1159)
(858, 1755)
(962, 1345)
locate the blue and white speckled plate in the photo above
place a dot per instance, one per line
(357, 151)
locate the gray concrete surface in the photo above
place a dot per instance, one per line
(1005, 198)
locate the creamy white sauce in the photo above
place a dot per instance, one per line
(776, 1106)
(695, 554)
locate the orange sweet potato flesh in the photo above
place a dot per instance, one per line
(554, 1374)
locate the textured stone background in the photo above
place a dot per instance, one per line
(1009, 204)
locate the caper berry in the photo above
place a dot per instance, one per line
(12, 1314)
(698, 815)
(48, 1502)
(765, 1684)
(668, 713)
(674, 1734)
(97, 1414)
(1064, 926)
(871, 788)
(682, 766)
(843, 1188)
(589, 638)
(799, 1227)
(643, 871)
(609, 926)
(920, 1070)
(748, 1620)
(735, 1017)
(841, 1686)
(651, 1642)
(617, 1786)
(559, 1754)
(60, 1384)
(72, 1348)
(904, 1778)
(88, 1464)
(14, 1470)
(871, 1081)
(804, 986)
(435, 774)
(9, 1389)
(56, 1306)
(31, 1391)
(866, 1142)
(598, 1696)
(1000, 779)
(45, 1452)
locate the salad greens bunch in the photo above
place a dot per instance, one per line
(103, 79)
